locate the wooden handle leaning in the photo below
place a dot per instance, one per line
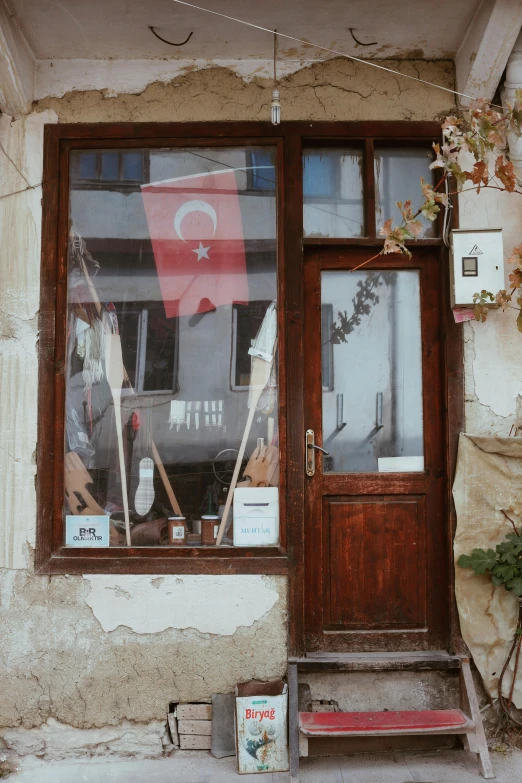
(116, 395)
(221, 531)
(157, 459)
(165, 479)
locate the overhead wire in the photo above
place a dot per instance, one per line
(371, 63)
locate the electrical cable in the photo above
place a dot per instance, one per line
(447, 216)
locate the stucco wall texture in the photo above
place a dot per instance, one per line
(73, 653)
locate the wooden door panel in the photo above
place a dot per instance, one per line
(376, 570)
(375, 549)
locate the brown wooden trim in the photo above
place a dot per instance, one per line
(281, 343)
(144, 564)
(289, 137)
(369, 190)
(46, 366)
(293, 180)
(433, 660)
(174, 142)
(455, 423)
(366, 242)
(211, 132)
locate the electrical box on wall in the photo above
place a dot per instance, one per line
(477, 264)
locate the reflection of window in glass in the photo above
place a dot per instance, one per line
(398, 172)
(171, 286)
(246, 322)
(262, 172)
(149, 347)
(116, 166)
(333, 193)
(375, 341)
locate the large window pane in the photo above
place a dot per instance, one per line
(172, 348)
(398, 175)
(333, 193)
(372, 395)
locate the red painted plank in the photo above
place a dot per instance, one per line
(414, 721)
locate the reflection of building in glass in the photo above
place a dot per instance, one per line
(200, 360)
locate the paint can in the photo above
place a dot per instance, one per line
(177, 531)
(209, 529)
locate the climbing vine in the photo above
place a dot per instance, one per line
(473, 156)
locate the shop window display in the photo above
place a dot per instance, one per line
(171, 434)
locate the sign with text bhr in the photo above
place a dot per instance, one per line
(88, 531)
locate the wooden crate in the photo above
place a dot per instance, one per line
(194, 712)
(194, 726)
(195, 742)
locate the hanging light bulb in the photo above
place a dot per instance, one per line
(276, 108)
(275, 105)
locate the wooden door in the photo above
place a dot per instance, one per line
(375, 550)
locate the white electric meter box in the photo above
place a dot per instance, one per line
(256, 516)
(477, 264)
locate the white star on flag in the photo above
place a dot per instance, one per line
(201, 252)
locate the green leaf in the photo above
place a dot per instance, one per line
(479, 560)
(504, 572)
(515, 585)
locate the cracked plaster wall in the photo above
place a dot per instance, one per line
(493, 351)
(77, 656)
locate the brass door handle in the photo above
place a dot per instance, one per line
(311, 446)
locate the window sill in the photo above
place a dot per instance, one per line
(165, 560)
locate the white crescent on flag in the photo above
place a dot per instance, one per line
(193, 206)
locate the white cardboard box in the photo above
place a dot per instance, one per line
(261, 733)
(256, 516)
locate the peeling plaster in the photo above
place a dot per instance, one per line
(54, 740)
(336, 89)
(20, 226)
(210, 604)
(497, 367)
(493, 351)
(57, 661)
(55, 78)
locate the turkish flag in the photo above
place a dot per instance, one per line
(197, 238)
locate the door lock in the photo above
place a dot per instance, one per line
(311, 446)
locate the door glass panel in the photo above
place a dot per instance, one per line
(333, 193)
(372, 397)
(397, 176)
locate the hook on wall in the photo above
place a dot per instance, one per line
(170, 43)
(373, 43)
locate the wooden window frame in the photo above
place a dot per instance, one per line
(289, 139)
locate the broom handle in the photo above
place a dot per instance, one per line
(116, 395)
(237, 468)
(165, 479)
(157, 459)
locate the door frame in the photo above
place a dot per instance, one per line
(332, 134)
